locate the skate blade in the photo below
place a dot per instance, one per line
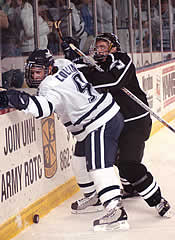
(90, 209)
(168, 214)
(121, 225)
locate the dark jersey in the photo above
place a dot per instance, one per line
(119, 72)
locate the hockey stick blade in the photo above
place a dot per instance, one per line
(67, 12)
(58, 22)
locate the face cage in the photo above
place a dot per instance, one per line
(94, 53)
(32, 83)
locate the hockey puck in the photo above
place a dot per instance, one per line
(36, 218)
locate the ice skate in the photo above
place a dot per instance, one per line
(163, 209)
(87, 205)
(115, 219)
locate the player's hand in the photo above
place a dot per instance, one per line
(14, 99)
(68, 52)
(69, 40)
(66, 41)
(3, 99)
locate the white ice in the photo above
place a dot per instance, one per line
(144, 221)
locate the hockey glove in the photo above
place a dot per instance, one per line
(68, 52)
(14, 99)
(69, 40)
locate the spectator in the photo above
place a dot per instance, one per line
(3, 25)
(3, 20)
(173, 13)
(10, 35)
(57, 11)
(155, 25)
(1, 4)
(27, 34)
(136, 25)
(6, 6)
(15, 27)
(165, 25)
(53, 41)
(78, 25)
(104, 16)
(86, 13)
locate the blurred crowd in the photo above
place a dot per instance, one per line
(17, 24)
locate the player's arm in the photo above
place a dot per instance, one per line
(38, 106)
(119, 75)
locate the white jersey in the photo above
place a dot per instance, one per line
(78, 105)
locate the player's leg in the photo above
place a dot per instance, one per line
(101, 146)
(137, 174)
(127, 190)
(90, 201)
(132, 143)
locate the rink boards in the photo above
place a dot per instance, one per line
(35, 169)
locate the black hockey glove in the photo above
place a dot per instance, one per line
(68, 52)
(3, 99)
(14, 99)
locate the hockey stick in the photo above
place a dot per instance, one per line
(79, 52)
(131, 95)
(143, 105)
(59, 21)
(87, 58)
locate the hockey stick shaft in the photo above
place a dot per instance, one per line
(131, 95)
(59, 21)
(143, 105)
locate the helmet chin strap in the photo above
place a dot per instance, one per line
(110, 47)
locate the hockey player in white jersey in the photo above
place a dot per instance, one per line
(93, 118)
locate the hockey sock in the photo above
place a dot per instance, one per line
(83, 177)
(107, 183)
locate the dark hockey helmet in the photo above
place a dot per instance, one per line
(37, 67)
(112, 41)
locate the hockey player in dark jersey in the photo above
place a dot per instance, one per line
(119, 71)
(93, 118)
